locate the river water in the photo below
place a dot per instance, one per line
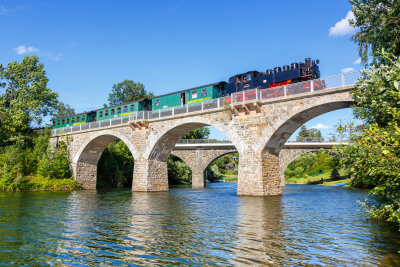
(307, 225)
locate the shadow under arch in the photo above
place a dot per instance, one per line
(287, 127)
(87, 157)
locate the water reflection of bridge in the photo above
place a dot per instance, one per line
(199, 154)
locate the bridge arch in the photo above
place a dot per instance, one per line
(273, 141)
(84, 162)
(162, 143)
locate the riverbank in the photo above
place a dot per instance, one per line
(38, 183)
(321, 179)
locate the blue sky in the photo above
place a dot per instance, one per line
(87, 46)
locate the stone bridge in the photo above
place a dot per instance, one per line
(258, 125)
(199, 155)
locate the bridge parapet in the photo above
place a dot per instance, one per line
(241, 102)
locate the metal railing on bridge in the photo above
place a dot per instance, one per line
(325, 83)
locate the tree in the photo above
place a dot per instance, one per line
(379, 26)
(376, 93)
(127, 91)
(64, 110)
(200, 133)
(309, 134)
(26, 99)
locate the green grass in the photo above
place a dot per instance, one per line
(325, 177)
(229, 178)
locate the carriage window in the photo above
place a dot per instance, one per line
(72, 119)
(68, 121)
(77, 119)
(112, 111)
(194, 94)
(203, 92)
(58, 123)
(54, 123)
(119, 110)
(83, 117)
(132, 107)
(125, 108)
(106, 113)
(63, 121)
(101, 114)
(157, 103)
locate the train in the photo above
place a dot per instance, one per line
(296, 72)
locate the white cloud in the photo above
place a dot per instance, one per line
(320, 126)
(22, 49)
(346, 70)
(358, 61)
(343, 26)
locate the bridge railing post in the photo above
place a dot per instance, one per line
(187, 108)
(159, 113)
(343, 80)
(256, 94)
(243, 97)
(202, 105)
(312, 85)
(285, 90)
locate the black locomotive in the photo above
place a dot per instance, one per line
(297, 72)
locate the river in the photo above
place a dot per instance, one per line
(307, 225)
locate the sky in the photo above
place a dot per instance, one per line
(87, 46)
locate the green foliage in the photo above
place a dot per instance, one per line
(214, 172)
(115, 167)
(178, 171)
(25, 98)
(309, 134)
(200, 133)
(377, 93)
(63, 110)
(378, 22)
(24, 164)
(127, 91)
(310, 164)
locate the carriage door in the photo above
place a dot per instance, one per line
(183, 99)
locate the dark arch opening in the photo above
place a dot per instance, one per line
(179, 173)
(115, 166)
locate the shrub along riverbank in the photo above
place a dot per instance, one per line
(32, 165)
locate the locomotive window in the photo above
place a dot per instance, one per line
(106, 113)
(68, 121)
(203, 92)
(194, 94)
(132, 107)
(248, 77)
(112, 111)
(101, 114)
(63, 121)
(73, 120)
(119, 110)
(125, 108)
(157, 103)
